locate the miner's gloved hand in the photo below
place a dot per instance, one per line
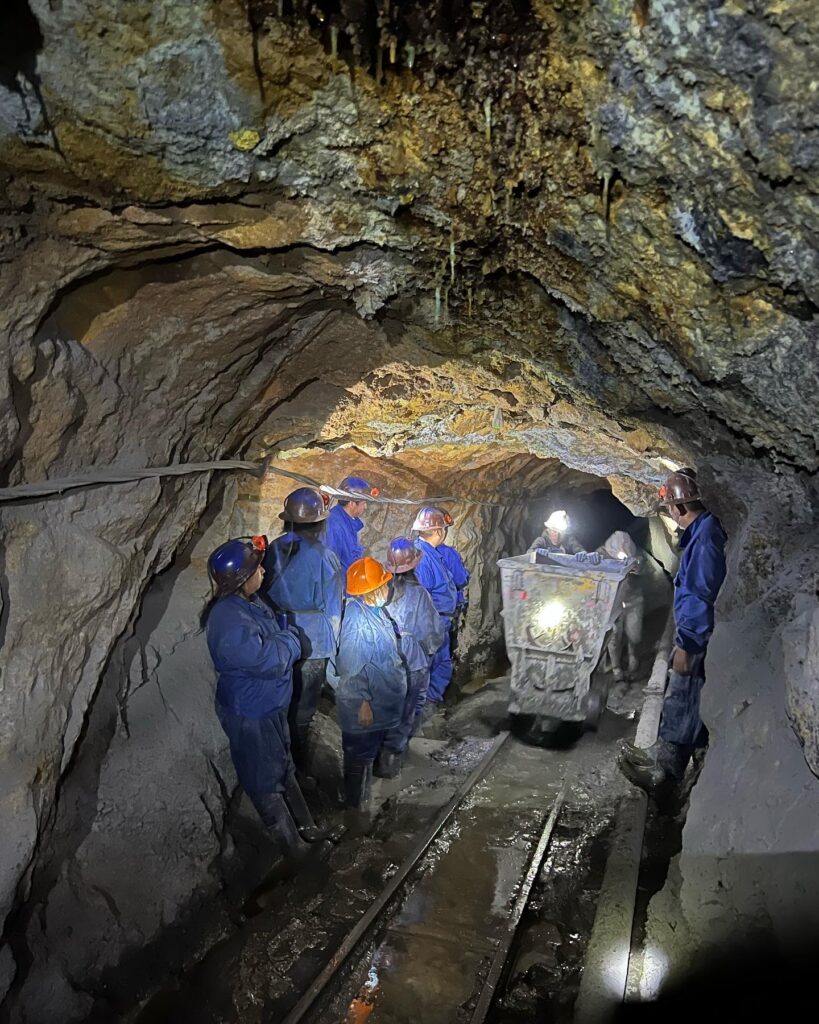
(365, 715)
(591, 557)
(680, 662)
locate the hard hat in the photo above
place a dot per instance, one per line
(620, 545)
(235, 561)
(365, 576)
(680, 488)
(358, 485)
(557, 521)
(305, 505)
(403, 555)
(430, 518)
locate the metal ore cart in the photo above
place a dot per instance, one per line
(556, 614)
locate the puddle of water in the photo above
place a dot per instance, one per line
(427, 964)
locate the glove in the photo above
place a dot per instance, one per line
(591, 557)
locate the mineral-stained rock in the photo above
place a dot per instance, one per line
(495, 253)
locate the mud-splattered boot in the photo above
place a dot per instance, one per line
(307, 828)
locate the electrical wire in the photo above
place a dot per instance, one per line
(119, 475)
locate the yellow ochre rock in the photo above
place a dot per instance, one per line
(245, 139)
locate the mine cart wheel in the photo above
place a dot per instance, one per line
(595, 703)
(535, 729)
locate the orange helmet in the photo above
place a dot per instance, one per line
(365, 576)
(680, 488)
(430, 518)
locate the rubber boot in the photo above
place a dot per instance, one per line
(633, 664)
(357, 782)
(275, 814)
(308, 830)
(388, 764)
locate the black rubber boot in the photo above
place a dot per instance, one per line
(355, 785)
(652, 779)
(308, 829)
(275, 814)
(388, 764)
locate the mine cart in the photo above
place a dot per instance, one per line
(556, 615)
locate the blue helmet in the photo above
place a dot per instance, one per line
(357, 485)
(403, 555)
(234, 562)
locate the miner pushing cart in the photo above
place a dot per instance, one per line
(557, 612)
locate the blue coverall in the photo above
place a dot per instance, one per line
(457, 570)
(434, 576)
(341, 536)
(696, 586)
(422, 632)
(371, 669)
(253, 655)
(304, 578)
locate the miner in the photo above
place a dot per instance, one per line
(253, 653)
(344, 523)
(460, 577)
(305, 581)
(431, 526)
(696, 586)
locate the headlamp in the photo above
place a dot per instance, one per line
(259, 542)
(550, 615)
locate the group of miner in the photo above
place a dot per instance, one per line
(311, 610)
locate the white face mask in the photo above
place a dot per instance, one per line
(379, 600)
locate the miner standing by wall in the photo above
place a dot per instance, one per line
(304, 580)
(344, 523)
(696, 586)
(253, 654)
(431, 525)
(460, 577)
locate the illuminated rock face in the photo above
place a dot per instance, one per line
(511, 250)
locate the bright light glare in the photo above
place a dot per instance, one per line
(557, 521)
(622, 555)
(551, 614)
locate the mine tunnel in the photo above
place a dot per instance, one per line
(541, 273)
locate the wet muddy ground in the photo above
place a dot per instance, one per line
(438, 942)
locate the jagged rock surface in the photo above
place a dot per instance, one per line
(562, 231)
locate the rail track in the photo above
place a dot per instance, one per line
(350, 985)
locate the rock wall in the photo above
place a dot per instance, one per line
(580, 233)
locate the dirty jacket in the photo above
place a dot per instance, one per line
(436, 579)
(457, 570)
(421, 627)
(253, 656)
(698, 581)
(370, 668)
(305, 578)
(568, 547)
(341, 536)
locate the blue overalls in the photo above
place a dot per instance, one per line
(696, 586)
(253, 655)
(371, 669)
(304, 578)
(422, 632)
(437, 580)
(341, 536)
(457, 570)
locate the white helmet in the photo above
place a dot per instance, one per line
(620, 545)
(557, 521)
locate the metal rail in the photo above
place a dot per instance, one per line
(499, 961)
(360, 929)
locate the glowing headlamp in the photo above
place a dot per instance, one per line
(622, 556)
(550, 615)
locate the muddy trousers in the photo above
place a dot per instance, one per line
(308, 679)
(397, 739)
(626, 637)
(360, 749)
(440, 671)
(682, 731)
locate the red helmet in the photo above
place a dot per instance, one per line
(403, 556)
(680, 488)
(305, 505)
(430, 518)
